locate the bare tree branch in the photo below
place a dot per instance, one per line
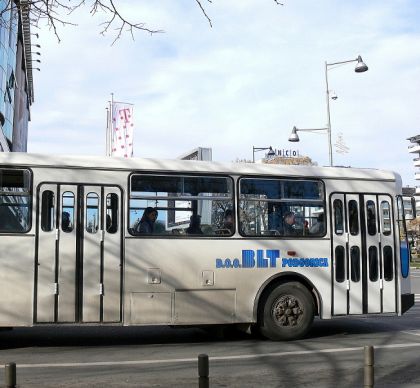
(115, 16)
(51, 11)
(204, 11)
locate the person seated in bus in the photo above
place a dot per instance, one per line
(289, 222)
(195, 225)
(228, 221)
(66, 225)
(147, 222)
(319, 226)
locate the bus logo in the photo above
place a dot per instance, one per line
(269, 258)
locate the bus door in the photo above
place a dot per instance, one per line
(78, 276)
(362, 254)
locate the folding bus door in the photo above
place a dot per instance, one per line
(56, 254)
(112, 254)
(355, 254)
(102, 254)
(373, 264)
(339, 255)
(388, 268)
(79, 255)
(364, 268)
(347, 254)
(46, 275)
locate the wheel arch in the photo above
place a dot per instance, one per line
(282, 278)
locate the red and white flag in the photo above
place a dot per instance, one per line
(122, 130)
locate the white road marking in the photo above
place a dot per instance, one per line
(215, 358)
(412, 332)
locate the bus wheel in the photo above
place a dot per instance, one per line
(288, 312)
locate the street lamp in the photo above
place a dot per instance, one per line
(270, 153)
(360, 68)
(294, 136)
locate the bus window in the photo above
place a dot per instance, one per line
(338, 217)
(386, 218)
(92, 213)
(15, 200)
(388, 263)
(67, 214)
(340, 264)
(47, 211)
(277, 207)
(353, 218)
(191, 206)
(373, 264)
(112, 213)
(371, 217)
(355, 263)
(404, 246)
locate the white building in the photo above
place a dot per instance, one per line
(414, 148)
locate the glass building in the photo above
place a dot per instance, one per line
(16, 88)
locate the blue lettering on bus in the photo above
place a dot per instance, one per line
(268, 259)
(304, 262)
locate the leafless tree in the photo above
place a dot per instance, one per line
(57, 13)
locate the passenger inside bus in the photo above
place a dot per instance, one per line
(147, 222)
(228, 220)
(318, 227)
(195, 225)
(289, 224)
(66, 225)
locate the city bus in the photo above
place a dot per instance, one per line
(300, 242)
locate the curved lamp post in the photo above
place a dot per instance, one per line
(271, 152)
(360, 68)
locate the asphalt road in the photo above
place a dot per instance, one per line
(332, 355)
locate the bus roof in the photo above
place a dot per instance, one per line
(163, 165)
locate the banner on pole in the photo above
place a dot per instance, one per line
(122, 130)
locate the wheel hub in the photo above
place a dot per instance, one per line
(287, 311)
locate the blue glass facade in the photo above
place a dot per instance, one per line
(8, 47)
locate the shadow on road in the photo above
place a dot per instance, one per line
(114, 335)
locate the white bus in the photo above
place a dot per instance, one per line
(300, 242)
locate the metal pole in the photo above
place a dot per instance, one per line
(107, 131)
(203, 371)
(328, 117)
(111, 123)
(10, 375)
(253, 154)
(369, 377)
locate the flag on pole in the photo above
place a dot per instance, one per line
(122, 126)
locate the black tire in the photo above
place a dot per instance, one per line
(287, 312)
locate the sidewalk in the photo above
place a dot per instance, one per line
(415, 261)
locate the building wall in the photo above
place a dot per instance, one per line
(14, 101)
(8, 40)
(21, 111)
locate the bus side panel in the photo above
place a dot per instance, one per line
(16, 280)
(213, 281)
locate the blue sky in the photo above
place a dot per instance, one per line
(245, 82)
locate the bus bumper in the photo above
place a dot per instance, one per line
(407, 301)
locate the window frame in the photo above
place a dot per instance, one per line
(297, 202)
(95, 215)
(29, 196)
(48, 217)
(232, 198)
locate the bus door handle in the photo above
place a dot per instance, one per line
(153, 276)
(207, 278)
